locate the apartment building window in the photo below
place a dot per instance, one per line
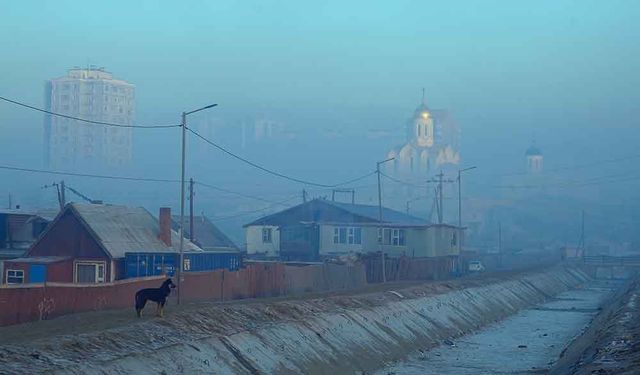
(392, 236)
(267, 235)
(15, 276)
(347, 235)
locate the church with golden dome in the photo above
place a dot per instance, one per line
(432, 143)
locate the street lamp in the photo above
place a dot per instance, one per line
(184, 137)
(380, 234)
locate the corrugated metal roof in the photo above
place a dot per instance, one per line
(207, 235)
(388, 215)
(320, 210)
(43, 259)
(45, 214)
(122, 229)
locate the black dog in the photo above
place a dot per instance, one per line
(157, 295)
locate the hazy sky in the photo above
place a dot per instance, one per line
(566, 71)
(494, 63)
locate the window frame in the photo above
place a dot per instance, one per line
(267, 235)
(15, 276)
(392, 237)
(347, 235)
(97, 266)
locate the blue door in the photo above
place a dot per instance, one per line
(37, 273)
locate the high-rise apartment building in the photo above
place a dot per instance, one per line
(91, 94)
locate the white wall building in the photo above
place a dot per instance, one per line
(91, 94)
(321, 228)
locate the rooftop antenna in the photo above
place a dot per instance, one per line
(423, 95)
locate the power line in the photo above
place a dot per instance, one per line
(235, 192)
(108, 177)
(264, 169)
(403, 182)
(85, 120)
(127, 178)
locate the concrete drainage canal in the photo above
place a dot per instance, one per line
(528, 342)
(507, 323)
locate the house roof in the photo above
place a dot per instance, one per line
(206, 234)
(121, 229)
(46, 214)
(324, 211)
(372, 212)
(42, 259)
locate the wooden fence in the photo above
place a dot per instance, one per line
(31, 302)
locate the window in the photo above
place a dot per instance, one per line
(392, 236)
(267, 235)
(355, 236)
(89, 272)
(15, 276)
(347, 235)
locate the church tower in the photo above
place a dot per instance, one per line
(432, 140)
(421, 126)
(534, 159)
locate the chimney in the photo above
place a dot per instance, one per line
(165, 225)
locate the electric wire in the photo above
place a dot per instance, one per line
(267, 170)
(217, 188)
(403, 182)
(108, 177)
(86, 120)
(141, 179)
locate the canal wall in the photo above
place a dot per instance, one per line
(611, 343)
(332, 335)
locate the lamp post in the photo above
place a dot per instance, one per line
(380, 234)
(182, 187)
(460, 203)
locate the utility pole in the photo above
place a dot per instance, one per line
(584, 241)
(439, 198)
(304, 196)
(183, 125)
(181, 257)
(581, 243)
(460, 204)
(440, 213)
(10, 203)
(63, 198)
(500, 243)
(191, 235)
(380, 233)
